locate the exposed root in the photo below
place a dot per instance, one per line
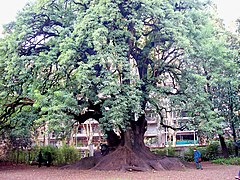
(84, 164)
(125, 159)
(172, 163)
(133, 168)
(122, 158)
(156, 165)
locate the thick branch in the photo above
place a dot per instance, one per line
(158, 111)
(81, 4)
(11, 109)
(92, 111)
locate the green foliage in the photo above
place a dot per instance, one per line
(20, 138)
(209, 152)
(229, 161)
(212, 151)
(20, 156)
(63, 55)
(63, 155)
(188, 155)
(67, 155)
(168, 151)
(231, 147)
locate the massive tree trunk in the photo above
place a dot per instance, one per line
(132, 155)
(127, 151)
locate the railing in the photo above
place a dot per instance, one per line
(186, 142)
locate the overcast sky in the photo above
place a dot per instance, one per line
(9, 9)
(229, 10)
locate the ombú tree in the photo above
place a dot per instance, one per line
(104, 60)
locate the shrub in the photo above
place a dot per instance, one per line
(168, 151)
(19, 156)
(50, 149)
(229, 161)
(188, 155)
(160, 151)
(68, 154)
(212, 151)
(231, 147)
(63, 155)
(206, 153)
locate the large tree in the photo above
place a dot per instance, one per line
(107, 60)
(213, 93)
(219, 68)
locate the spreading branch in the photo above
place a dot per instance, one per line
(11, 108)
(159, 112)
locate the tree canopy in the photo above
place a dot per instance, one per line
(64, 61)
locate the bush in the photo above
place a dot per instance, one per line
(168, 151)
(63, 155)
(212, 151)
(207, 153)
(68, 154)
(229, 161)
(204, 152)
(19, 156)
(159, 151)
(188, 155)
(52, 150)
(231, 147)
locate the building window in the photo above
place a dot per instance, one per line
(185, 137)
(53, 134)
(184, 113)
(80, 130)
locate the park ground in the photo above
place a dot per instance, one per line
(23, 172)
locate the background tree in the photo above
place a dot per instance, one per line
(216, 72)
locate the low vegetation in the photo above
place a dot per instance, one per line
(63, 155)
(229, 161)
(209, 153)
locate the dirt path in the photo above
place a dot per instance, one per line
(210, 172)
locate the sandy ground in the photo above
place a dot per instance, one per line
(210, 172)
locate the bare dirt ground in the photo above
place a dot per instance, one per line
(23, 172)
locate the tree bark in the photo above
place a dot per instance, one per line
(128, 151)
(17, 155)
(234, 139)
(132, 155)
(223, 146)
(113, 140)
